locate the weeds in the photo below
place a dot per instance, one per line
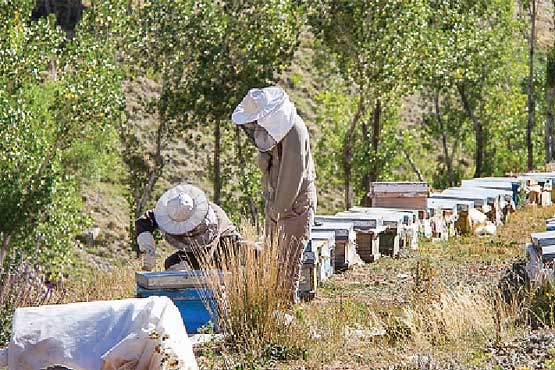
(102, 285)
(23, 286)
(253, 304)
(541, 304)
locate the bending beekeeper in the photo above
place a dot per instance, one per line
(271, 122)
(198, 228)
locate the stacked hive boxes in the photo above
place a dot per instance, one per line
(400, 214)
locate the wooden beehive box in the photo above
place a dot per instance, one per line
(174, 279)
(508, 184)
(324, 241)
(548, 253)
(460, 206)
(499, 200)
(189, 291)
(345, 242)
(413, 220)
(368, 245)
(480, 201)
(405, 195)
(368, 229)
(360, 222)
(543, 239)
(309, 273)
(393, 222)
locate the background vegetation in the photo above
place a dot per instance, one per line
(105, 104)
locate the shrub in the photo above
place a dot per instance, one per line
(23, 286)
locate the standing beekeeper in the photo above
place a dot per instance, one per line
(271, 122)
(199, 229)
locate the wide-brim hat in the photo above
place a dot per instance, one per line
(258, 103)
(181, 209)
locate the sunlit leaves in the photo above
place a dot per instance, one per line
(57, 96)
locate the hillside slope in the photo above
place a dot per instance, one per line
(106, 202)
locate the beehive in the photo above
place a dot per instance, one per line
(405, 195)
(188, 290)
(392, 220)
(368, 229)
(345, 242)
(324, 242)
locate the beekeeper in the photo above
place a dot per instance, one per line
(196, 227)
(271, 122)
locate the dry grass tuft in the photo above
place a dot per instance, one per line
(252, 302)
(456, 315)
(101, 285)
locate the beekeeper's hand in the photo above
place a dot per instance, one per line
(147, 247)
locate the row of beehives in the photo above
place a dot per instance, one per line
(403, 212)
(540, 253)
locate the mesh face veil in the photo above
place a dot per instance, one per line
(258, 135)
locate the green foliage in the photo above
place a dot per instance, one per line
(335, 105)
(54, 102)
(206, 55)
(471, 47)
(242, 178)
(376, 44)
(376, 47)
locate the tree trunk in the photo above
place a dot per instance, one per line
(376, 131)
(217, 164)
(550, 108)
(447, 159)
(413, 165)
(242, 164)
(347, 152)
(4, 249)
(478, 130)
(365, 180)
(531, 100)
(155, 171)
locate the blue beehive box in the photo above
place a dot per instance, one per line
(188, 291)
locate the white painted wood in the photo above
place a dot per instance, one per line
(409, 188)
(360, 221)
(343, 230)
(543, 238)
(478, 199)
(174, 279)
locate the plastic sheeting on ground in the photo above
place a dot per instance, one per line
(141, 334)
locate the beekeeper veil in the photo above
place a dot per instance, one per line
(266, 115)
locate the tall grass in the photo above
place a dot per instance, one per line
(252, 304)
(102, 285)
(253, 300)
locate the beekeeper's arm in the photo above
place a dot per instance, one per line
(144, 227)
(292, 168)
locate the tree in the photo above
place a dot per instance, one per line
(469, 44)
(447, 122)
(532, 9)
(376, 46)
(54, 101)
(206, 56)
(550, 105)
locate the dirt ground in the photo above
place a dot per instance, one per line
(392, 286)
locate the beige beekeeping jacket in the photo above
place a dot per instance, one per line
(204, 236)
(288, 172)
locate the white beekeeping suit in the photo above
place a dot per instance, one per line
(270, 120)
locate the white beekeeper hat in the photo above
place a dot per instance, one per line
(181, 209)
(270, 107)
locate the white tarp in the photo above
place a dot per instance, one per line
(141, 334)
